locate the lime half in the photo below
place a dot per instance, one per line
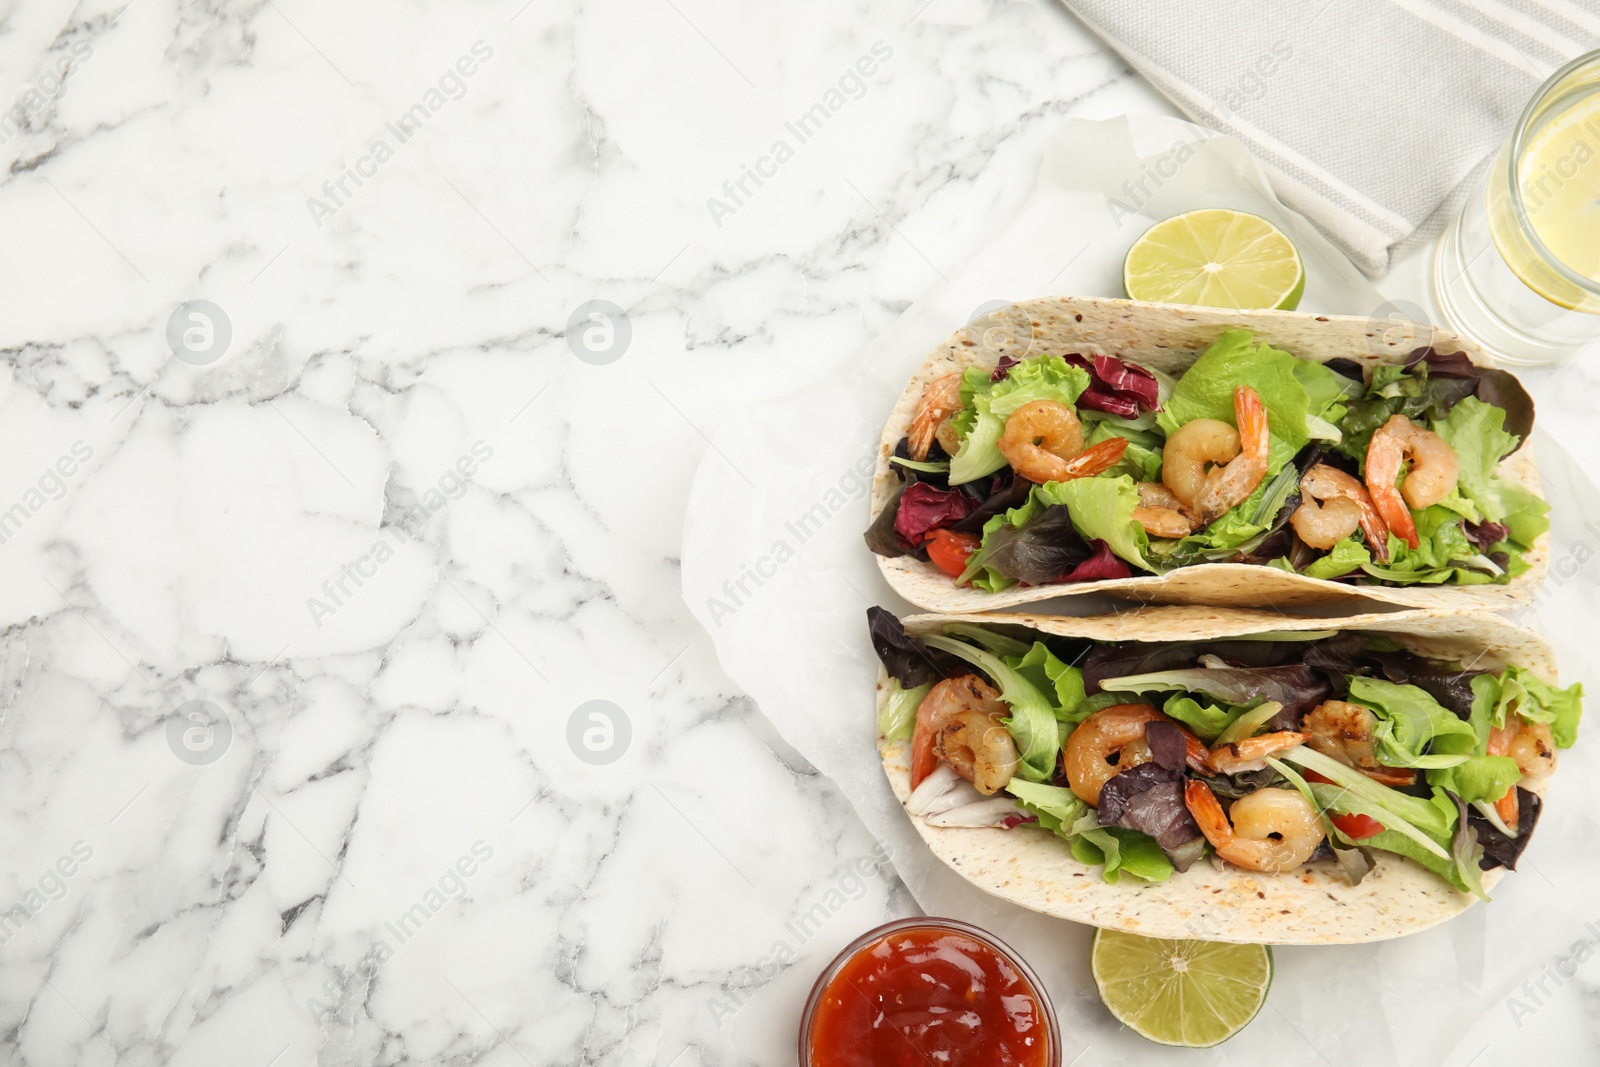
(1190, 993)
(1217, 258)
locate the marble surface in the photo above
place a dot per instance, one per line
(349, 712)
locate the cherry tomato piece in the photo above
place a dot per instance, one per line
(1358, 827)
(949, 551)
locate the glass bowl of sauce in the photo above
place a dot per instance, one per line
(927, 991)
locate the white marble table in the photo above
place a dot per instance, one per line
(305, 597)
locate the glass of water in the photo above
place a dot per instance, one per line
(1519, 270)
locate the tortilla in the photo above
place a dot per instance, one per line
(1170, 337)
(1314, 905)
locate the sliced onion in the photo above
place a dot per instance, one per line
(960, 795)
(940, 781)
(991, 811)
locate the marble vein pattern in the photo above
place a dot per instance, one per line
(357, 358)
(349, 713)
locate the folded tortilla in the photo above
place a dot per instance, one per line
(1314, 905)
(1170, 337)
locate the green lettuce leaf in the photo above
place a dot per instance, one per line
(991, 403)
(1441, 551)
(1060, 812)
(1285, 384)
(992, 640)
(1102, 509)
(1049, 675)
(899, 714)
(1410, 721)
(1525, 514)
(1479, 778)
(1206, 721)
(1345, 556)
(1476, 431)
(1536, 700)
(1389, 841)
(1101, 701)
(1056, 803)
(1352, 791)
(1118, 850)
(1141, 461)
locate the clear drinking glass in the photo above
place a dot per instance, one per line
(1519, 270)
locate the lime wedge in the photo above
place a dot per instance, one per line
(1190, 993)
(1217, 258)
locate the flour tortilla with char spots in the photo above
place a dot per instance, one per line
(1314, 905)
(1170, 337)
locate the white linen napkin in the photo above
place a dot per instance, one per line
(1373, 117)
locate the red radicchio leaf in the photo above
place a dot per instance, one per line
(1011, 822)
(1484, 534)
(1167, 747)
(924, 508)
(1123, 406)
(1102, 565)
(907, 659)
(1129, 378)
(1003, 368)
(1116, 387)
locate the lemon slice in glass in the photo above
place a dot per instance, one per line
(1189, 993)
(1560, 178)
(1215, 257)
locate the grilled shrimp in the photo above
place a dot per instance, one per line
(1273, 830)
(1534, 748)
(1212, 467)
(1161, 513)
(1433, 474)
(1112, 740)
(1343, 731)
(959, 722)
(1250, 754)
(1332, 505)
(940, 400)
(1040, 437)
(1043, 442)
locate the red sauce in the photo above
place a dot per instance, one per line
(925, 996)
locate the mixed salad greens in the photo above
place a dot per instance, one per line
(993, 523)
(1141, 755)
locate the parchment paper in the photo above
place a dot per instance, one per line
(775, 569)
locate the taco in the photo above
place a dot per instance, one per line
(1222, 774)
(1190, 455)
